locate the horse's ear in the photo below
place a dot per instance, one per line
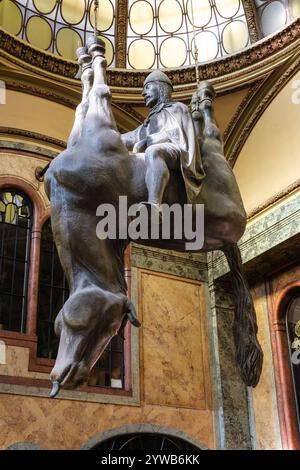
(131, 313)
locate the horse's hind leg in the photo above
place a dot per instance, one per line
(85, 61)
(97, 52)
(99, 115)
(249, 354)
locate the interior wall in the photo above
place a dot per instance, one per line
(35, 114)
(263, 400)
(175, 377)
(270, 159)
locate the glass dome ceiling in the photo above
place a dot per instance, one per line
(159, 33)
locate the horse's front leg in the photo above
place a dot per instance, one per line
(249, 354)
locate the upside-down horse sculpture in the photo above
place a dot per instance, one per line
(96, 168)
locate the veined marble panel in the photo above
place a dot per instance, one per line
(174, 342)
(27, 147)
(264, 233)
(187, 265)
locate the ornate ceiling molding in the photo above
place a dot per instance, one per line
(17, 133)
(121, 33)
(40, 86)
(27, 149)
(246, 118)
(250, 12)
(227, 73)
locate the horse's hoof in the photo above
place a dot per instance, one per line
(55, 389)
(95, 45)
(83, 56)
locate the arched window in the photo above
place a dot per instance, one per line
(15, 237)
(293, 333)
(53, 292)
(146, 441)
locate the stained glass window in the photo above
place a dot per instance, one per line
(59, 26)
(161, 33)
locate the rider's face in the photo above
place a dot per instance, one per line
(151, 94)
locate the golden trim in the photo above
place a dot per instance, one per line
(274, 199)
(251, 16)
(226, 73)
(121, 33)
(11, 131)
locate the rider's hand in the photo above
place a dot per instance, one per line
(140, 146)
(159, 138)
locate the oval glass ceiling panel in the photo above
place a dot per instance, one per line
(170, 16)
(227, 8)
(72, 12)
(67, 42)
(202, 12)
(10, 17)
(207, 44)
(173, 52)
(141, 17)
(44, 6)
(141, 54)
(273, 18)
(235, 36)
(105, 15)
(109, 50)
(39, 32)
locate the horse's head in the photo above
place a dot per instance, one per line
(85, 325)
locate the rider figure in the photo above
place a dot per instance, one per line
(168, 139)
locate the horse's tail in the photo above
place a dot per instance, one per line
(249, 354)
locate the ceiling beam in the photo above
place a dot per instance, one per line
(252, 20)
(121, 33)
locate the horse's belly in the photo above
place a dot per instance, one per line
(225, 216)
(83, 172)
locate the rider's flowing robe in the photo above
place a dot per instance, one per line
(171, 123)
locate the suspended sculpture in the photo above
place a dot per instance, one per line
(97, 168)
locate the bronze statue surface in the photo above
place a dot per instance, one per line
(96, 168)
(168, 139)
